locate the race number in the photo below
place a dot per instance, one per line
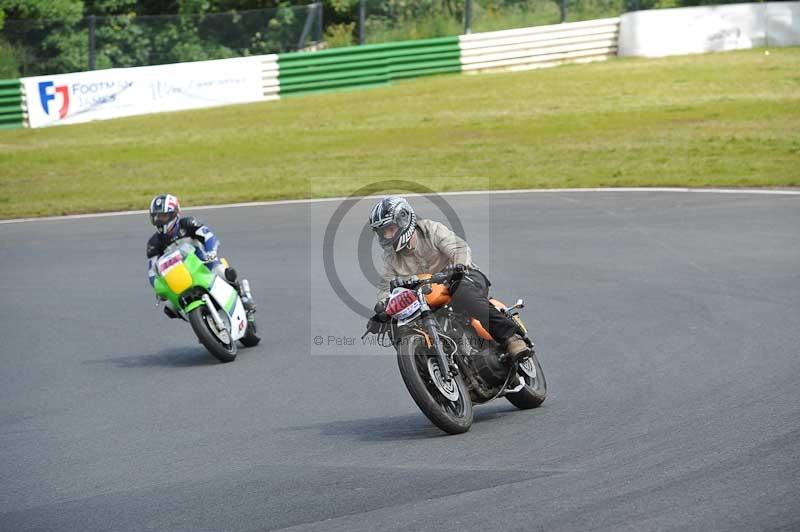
(167, 262)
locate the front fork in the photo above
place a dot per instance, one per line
(433, 331)
(214, 314)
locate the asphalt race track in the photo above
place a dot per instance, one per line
(668, 325)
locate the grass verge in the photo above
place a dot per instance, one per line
(729, 119)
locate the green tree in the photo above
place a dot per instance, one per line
(45, 34)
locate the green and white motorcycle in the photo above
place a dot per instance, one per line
(206, 300)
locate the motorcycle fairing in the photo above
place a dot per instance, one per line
(227, 298)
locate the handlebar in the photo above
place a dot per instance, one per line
(414, 281)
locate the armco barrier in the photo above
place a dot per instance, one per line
(12, 104)
(269, 76)
(542, 46)
(374, 64)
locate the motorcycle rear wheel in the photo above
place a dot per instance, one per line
(251, 337)
(534, 392)
(453, 417)
(200, 318)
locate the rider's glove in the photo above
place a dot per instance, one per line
(455, 272)
(403, 282)
(380, 307)
(455, 268)
(380, 321)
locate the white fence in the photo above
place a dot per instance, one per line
(542, 46)
(269, 77)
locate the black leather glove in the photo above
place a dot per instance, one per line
(403, 282)
(380, 307)
(455, 273)
(456, 268)
(379, 323)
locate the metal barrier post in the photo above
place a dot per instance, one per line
(92, 54)
(467, 17)
(311, 17)
(321, 23)
(362, 15)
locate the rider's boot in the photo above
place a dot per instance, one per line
(232, 276)
(170, 312)
(516, 348)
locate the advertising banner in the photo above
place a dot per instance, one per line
(113, 93)
(695, 30)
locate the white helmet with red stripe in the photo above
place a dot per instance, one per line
(165, 212)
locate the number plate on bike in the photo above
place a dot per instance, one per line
(167, 262)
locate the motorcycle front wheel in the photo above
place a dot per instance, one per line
(206, 331)
(445, 403)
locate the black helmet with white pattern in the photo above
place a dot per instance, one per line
(165, 211)
(394, 221)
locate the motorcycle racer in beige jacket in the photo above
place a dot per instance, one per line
(412, 247)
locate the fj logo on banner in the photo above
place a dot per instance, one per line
(47, 92)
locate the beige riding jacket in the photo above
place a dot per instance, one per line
(435, 248)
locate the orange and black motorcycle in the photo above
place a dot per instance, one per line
(449, 361)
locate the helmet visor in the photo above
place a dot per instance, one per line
(162, 218)
(388, 234)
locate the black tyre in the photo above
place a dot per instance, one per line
(251, 337)
(453, 417)
(204, 327)
(534, 392)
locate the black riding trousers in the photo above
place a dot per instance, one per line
(470, 296)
